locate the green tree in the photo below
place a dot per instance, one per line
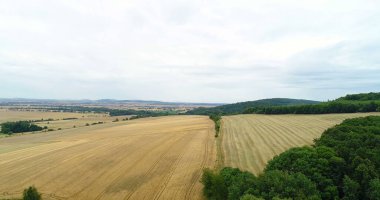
(237, 182)
(351, 189)
(214, 185)
(250, 197)
(320, 164)
(19, 127)
(31, 193)
(281, 184)
(374, 189)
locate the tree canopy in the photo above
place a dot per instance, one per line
(18, 127)
(238, 108)
(343, 164)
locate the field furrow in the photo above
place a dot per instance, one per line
(250, 141)
(151, 158)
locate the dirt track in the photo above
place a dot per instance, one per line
(153, 158)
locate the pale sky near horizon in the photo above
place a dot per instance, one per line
(191, 51)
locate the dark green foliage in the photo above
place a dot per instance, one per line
(70, 118)
(369, 102)
(233, 184)
(357, 141)
(362, 97)
(229, 183)
(31, 193)
(250, 197)
(237, 182)
(239, 108)
(216, 119)
(351, 189)
(140, 113)
(374, 189)
(19, 127)
(322, 108)
(214, 185)
(284, 185)
(343, 164)
(320, 164)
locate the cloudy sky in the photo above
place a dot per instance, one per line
(193, 51)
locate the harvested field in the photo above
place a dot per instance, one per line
(60, 119)
(151, 158)
(250, 141)
(11, 115)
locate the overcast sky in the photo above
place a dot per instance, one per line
(193, 51)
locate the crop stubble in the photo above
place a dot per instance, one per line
(152, 158)
(250, 141)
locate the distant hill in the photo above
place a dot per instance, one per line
(352, 103)
(238, 108)
(372, 96)
(100, 102)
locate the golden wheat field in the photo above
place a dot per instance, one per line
(11, 115)
(58, 122)
(150, 158)
(250, 141)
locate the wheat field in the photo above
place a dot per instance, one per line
(151, 158)
(250, 141)
(58, 118)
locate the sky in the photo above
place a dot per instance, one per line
(189, 51)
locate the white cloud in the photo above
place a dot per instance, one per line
(214, 51)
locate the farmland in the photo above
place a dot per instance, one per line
(151, 158)
(250, 141)
(11, 115)
(57, 120)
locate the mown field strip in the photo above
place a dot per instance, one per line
(153, 158)
(250, 141)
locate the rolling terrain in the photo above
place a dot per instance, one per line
(151, 158)
(250, 141)
(10, 115)
(241, 107)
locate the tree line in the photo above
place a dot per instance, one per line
(216, 119)
(372, 96)
(339, 106)
(19, 127)
(238, 108)
(343, 164)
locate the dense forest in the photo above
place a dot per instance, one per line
(238, 108)
(322, 108)
(19, 127)
(369, 102)
(372, 96)
(343, 164)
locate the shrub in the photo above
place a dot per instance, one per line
(31, 193)
(216, 119)
(214, 186)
